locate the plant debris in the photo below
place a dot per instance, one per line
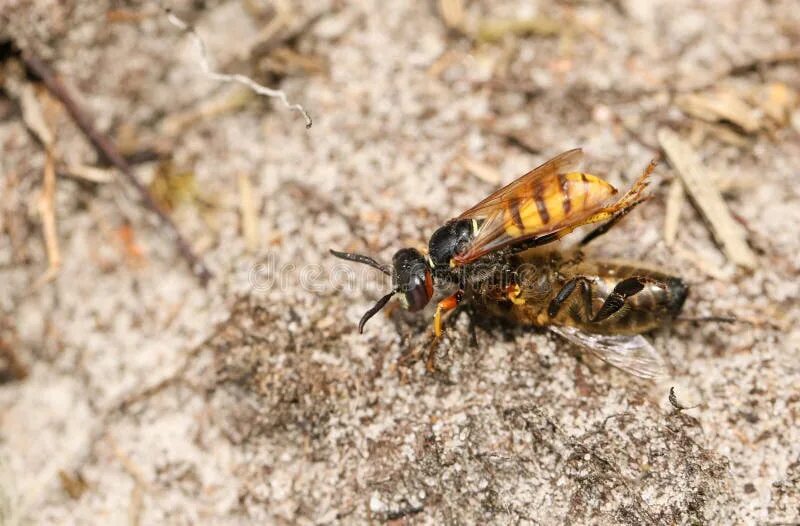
(699, 184)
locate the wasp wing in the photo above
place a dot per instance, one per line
(631, 353)
(562, 163)
(545, 204)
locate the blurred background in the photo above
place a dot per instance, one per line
(203, 365)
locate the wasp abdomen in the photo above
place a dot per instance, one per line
(547, 203)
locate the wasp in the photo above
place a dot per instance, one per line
(496, 257)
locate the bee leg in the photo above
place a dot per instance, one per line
(567, 290)
(614, 302)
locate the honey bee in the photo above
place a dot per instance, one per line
(495, 256)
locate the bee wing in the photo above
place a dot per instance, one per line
(631, 353)
(546, 200)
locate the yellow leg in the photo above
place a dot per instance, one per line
(447, 304)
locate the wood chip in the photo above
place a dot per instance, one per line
(74, 484)
(452, 12)
(673, 213)
(698, 182)
(482, 171)
(247, 204)
(721, 105)
(776, 100)
(495, 30)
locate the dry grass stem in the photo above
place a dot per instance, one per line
(672, 214)
(699, 184)
(482, 171)
(247, 205)
(47, 212)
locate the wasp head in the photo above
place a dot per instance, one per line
(411, 279)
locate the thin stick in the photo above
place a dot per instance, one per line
(698, 183)
(672, 216)
(105, 147)
(224, 77)
(247, 205)
(484, 172)
(48, 213)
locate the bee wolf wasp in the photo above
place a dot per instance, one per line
(485, 254)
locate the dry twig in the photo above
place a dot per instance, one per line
(128, 464)
(249, 215)
(673, 213)
(108, 151)
(482, 171)
(85, 172)
(48, 212)
(228, 101)
(698, 182)
(34, 119)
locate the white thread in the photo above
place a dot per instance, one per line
(223, 77)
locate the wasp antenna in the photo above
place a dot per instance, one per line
(374, 310)
(359, 258)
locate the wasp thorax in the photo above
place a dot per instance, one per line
(412, 279)
(448, 241)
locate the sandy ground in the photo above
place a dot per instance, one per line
(150, 399)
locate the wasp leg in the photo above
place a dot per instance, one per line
(614, 302)
(567, 290)
(605, 227)
(537, 241)
(447, 304)
(616, 211)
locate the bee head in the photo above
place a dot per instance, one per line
(411, 279)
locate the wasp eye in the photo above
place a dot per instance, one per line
(419, 292)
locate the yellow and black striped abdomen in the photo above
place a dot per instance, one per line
(555, 202)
